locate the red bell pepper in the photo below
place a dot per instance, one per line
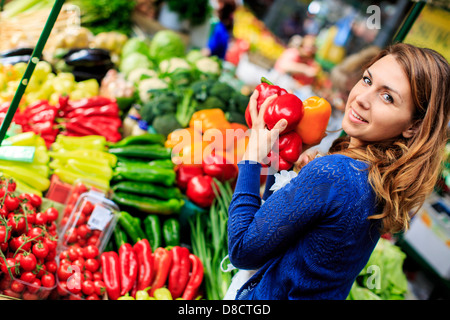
(145, 260)
(111, 273)
(185, 172)
(216, 166)
(179, 273)
(265, 90)
(195, 279)
(288, 107)
(162, 264)
(128, 267)
(200, 190)
(289, 149)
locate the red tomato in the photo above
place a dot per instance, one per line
(27, 276)
(92, 264)
(73, 253)
(61, 288)
(51, 266)
(34, 286)
(17, 286)
(88, 207)
(87, 287)
(48, 280)
(92, 297)
(41, 218)
(27, 295)
(31, 217)
(11, 202)
(87, 275)
(36, 233)
(27, 262)
(42, 270)
(51, 243)
(80, 263)
(35, 200)
(90, 251)
(71, 235)
(21, 240)
(64, 271)
(25, 197)
(100, 287)
(92, 240)
(97, 276)
(74, 284)
(80, 188)
(81, 219)
(40, 250)
(52, 214)
(3, 211)
(4, 236)
(83, 231)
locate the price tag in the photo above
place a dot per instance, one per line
(99, 218)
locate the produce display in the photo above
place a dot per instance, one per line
(134, 141)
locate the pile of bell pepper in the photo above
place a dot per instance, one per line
(199, 160)
(137, 272)
(82, 159)
(306, 122)
(30, 177)
(96, 115)
(144, 177)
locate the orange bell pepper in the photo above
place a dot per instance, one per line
(182, 137)
(315, 120)
(211, 119)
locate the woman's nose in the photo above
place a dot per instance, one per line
(364, 98)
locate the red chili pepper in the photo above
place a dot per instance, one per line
(145, 258)
(195, 279)
(179, 273)
(200, 190)
(77, 128)
(43, 127)
(186, 172)
(162, 264)
(113, 122)
(111, 273)
(216, 166)
(95, 101)
(111, 110)
(265, 90)
(128, 267)
(289, 149)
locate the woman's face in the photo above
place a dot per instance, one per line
(380, 105)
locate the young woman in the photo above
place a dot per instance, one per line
(311, 238)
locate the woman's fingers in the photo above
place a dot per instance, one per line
(252, 107)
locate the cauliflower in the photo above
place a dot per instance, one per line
(139, 74)
(208, 65)
(172, 64)
(150, 84)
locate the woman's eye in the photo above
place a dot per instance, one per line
(367, 80)
(388, 98)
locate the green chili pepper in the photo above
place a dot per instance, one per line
(145, 173)
(147, 205)
(127, 222)
(147, 138)
(143, 294)
(171, 232)
(148, 189)
(162, 294)
(120, 236)
(150, 152)
(152, 227)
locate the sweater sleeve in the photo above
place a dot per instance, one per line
(257, 233)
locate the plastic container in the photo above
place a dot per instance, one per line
(18, 289)
(92, 220)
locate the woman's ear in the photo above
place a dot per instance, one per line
(411, 131)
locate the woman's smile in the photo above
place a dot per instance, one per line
(355, 117)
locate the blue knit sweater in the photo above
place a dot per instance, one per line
(311, 238)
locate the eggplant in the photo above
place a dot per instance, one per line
(87, 57)
(17, 52)
(15, 59)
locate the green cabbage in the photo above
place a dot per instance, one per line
(166, 44)
(133, 61)
(135, 44)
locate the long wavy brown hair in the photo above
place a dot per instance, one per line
(403, 172)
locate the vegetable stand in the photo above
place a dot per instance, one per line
(135, 146)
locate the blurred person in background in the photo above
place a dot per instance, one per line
(222, 31)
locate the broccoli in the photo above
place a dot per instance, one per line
(238, 102)
(222, 90)
(162, 102)
(201, 88)
(212, 103)
(166, 123)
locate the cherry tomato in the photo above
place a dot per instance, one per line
(76, 296)
(87, 275)
(51, 255)
(88, 207)
(35, 200)
(51, 266)
(92, 297)
(25, 197)
(10, 293)
(19, 241)
(40, 250)
(79, 263)
(4, 236)
(90, 251)
(73, 253)
(80, 188)
(11, 202)
(61, 288)
(91, 264)
(83, 231)
(27, 262)
(87, 287)
(71, 235)
(34, 286)
(100, 287)
(36, 234)
(3, 211)
(64, 271)
(27, 295)
(97, 276)
(27, 276)
(31, 217)
(92, 240)
(52, 214)
(74, 283)
(81, 219)
(48, 280)
(51, 243)
(17, 286)
(42, 269)
(41, 218)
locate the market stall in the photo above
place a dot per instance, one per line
(119, 164)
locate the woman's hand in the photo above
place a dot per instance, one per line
(306, 156)
(261, 139)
